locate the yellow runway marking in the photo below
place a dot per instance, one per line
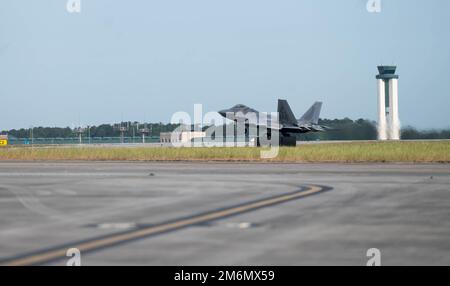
(51, 255)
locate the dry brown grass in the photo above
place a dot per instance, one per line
(402, 151)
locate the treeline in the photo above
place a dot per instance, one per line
(343, 129)
(340, 129)
(104, 130)
(412, 133)
(362, 129)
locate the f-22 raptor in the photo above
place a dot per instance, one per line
(287, 124)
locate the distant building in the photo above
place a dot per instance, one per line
(180, 137)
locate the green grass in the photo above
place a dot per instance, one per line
(402, 151)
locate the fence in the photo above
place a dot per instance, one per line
(84, 140)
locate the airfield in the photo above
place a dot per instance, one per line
(224, 213)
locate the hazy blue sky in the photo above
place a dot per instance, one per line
(145, 59)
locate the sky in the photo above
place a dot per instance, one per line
(143, 60)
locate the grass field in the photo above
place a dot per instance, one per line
(402, 151)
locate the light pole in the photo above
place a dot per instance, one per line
(89, 134)
(122, 130)
(31, 135)
(143, 131)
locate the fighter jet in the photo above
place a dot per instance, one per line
(310, 120)
(287, 123)
(237, 112)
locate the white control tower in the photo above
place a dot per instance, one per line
(388, 120)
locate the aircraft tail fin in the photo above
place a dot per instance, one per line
(312, 115)
(285, 113)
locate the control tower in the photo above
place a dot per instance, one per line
(388, 120)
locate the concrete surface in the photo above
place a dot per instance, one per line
(401, 209)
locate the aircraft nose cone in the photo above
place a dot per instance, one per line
(223, 112)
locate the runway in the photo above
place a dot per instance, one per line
(127, 213)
